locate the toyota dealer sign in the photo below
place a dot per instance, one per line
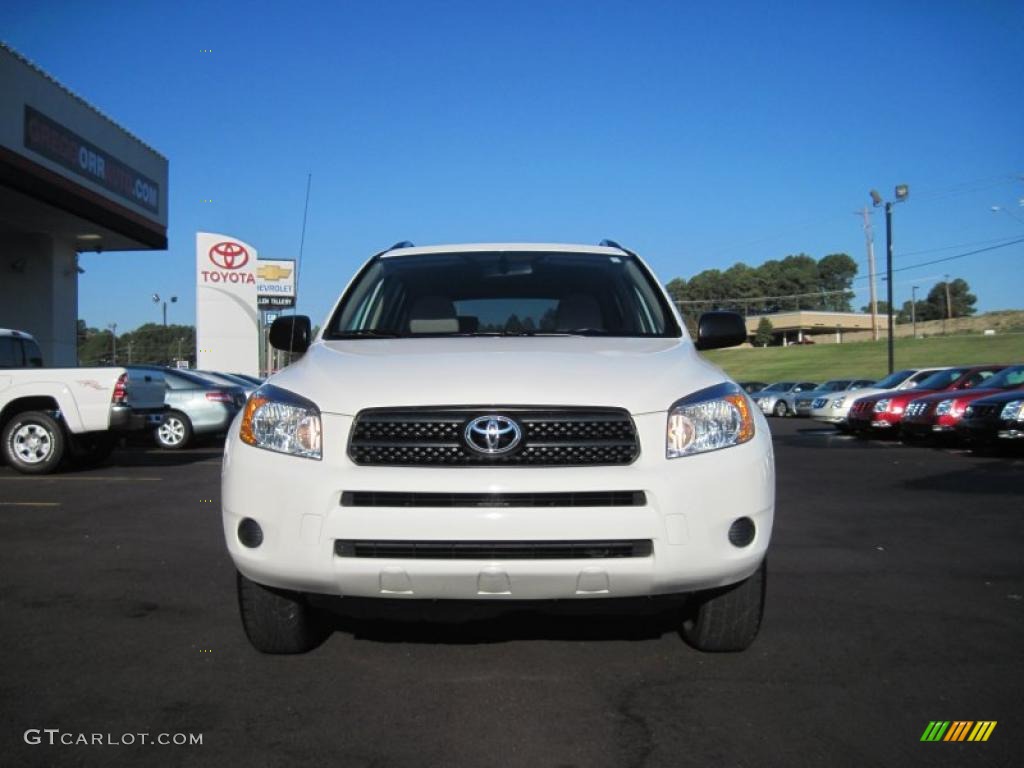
(227, 322)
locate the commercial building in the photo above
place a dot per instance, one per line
(806, 326)
(71, 180)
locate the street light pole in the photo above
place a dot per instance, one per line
(888, 279)
(901, 192)
(156, 300)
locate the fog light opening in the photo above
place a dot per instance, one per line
(251, 535)
(741, 532)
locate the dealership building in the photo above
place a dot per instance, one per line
(71, 180)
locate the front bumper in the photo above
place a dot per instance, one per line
(691, 504)
(124, 418)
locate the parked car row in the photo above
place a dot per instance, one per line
(199, 403)
(976, 404)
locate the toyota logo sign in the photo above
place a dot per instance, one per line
(229, 255)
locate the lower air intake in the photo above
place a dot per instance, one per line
(494, 550)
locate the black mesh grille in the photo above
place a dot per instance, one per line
(575, 499)
(493, 550)
(550, 437)
(982, 411)
(862, 407)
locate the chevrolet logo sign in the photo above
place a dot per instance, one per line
(272, 272)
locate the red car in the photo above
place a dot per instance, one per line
(883, 413)
(939, 413)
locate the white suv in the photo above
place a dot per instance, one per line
(500, 422)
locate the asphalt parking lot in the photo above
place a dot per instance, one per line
(895, 598)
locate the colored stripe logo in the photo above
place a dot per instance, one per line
(958, 730)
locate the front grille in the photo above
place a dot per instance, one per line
(803, 404)
(571, 499)
(862, 407)
(494, 550)
(918, 409)
(820, 402)
(550, 437)
(981, 411)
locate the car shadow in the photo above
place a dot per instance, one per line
(459, 623)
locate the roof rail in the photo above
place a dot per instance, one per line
(402, 244)
(606, 243)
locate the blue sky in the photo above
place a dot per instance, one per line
(699, 134)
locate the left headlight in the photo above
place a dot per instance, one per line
(944, 407)
(714, 418)
(882, 405)
(279, 420)
(1013, 411)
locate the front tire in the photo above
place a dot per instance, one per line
(33, 443)
(727, 619)
(174, 432)
(780, 409)
(278, 621)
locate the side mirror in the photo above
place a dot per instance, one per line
(720, 329)
(292, 333)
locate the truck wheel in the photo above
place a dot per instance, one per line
(91, 450)
(33, 443)
(278, 621)
(726, 619)
(780, 409)
(174, 432)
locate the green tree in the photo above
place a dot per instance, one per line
(961, 300)
(835, 273)
(764, 334)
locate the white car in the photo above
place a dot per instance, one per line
(47, 414)
(834, 410)
(500, 422)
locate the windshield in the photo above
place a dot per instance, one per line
(893, 379)
(1008, 378)
(503, 294)
(942, 379)
(835, 386)
(782, 386)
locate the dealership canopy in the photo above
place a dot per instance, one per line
(71, 180)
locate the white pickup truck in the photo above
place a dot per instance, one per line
(47, 414)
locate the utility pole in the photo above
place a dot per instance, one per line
(870, 240)
(913, 309)
(113, 341)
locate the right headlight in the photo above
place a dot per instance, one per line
(882, 405)
(1013, 411)
(714, 418)
(838, 402)
(281, 421)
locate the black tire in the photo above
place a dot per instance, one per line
(780, 409)
(33, 443)
(278, 621)
(174, 432)
(726, 619)
(91, 449)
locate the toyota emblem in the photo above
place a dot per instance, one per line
(493, 435)
(229, 255)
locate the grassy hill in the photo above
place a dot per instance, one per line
(866, 359)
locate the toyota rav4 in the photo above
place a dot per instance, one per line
(500, 422)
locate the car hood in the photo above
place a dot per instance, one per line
(963, 394)
(641, 375)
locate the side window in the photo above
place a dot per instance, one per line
(33, 355)
(175, 382)
(10, 352)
